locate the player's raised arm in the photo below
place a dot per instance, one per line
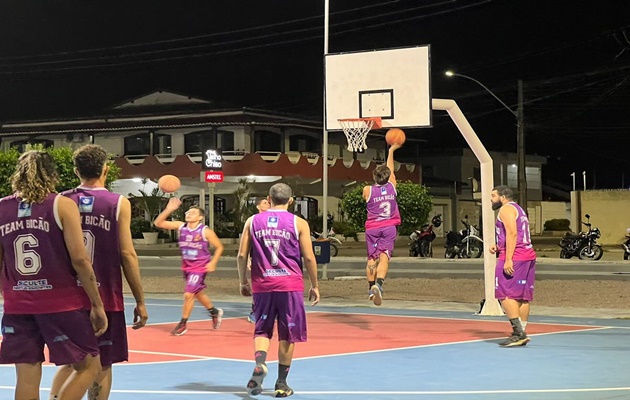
(390, 162)
(161, 220)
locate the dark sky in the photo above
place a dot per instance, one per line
(76, 58)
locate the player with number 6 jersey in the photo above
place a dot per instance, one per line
(381, 224)
(41, 256)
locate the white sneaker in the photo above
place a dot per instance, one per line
(376, 295)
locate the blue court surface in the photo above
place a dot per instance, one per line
(373, 353)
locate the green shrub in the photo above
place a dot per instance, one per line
(557, 225)
(139, 225)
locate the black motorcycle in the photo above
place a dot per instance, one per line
(420, 245)
(464, 244)
(583, 244)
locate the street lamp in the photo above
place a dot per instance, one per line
(520, 135)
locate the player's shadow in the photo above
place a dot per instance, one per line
(358, 321)
(236, 391)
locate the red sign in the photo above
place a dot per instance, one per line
(213, 176)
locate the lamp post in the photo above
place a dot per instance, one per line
(520, 135)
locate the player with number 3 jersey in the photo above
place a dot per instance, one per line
(381, 224)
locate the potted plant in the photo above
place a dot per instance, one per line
(151, 203)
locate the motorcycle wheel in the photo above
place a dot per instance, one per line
(425, 246)
(626, 256)
(476, 250)
(596, 253)
(413, 250)
(333, 250)
(449, 253)
(564, 254)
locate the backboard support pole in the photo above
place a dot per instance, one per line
(491, 305)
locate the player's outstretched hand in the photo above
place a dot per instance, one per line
(140, 316)
(246, 290)
(99, 320)
(493, 249)
(313, 296)
(395, 146)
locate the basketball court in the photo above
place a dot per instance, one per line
(372, 353)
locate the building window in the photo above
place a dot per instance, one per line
(21, 144)
(140, 144)
(225, 140)
(512, 176)
(267, 141)
(533, 177)
(304, 143)
(306, 207)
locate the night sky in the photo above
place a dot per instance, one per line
(76, 58)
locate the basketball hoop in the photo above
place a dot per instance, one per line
(356, 130)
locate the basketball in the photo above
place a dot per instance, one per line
(169, 183)
(395, 136)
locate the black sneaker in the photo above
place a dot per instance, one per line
(254, 386)
(515, 341)
(217, 318)
(283, 390)
(180, 329)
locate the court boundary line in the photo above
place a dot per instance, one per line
(373, 393)
(463, 319)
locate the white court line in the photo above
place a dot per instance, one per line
(386, 394)
(434, 345)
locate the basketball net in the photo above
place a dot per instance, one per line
(356, 130)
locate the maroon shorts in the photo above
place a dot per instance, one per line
(518, 286)
(68, 335)
(113, 343)
(194, 282)
(285, 307)
(380, 240)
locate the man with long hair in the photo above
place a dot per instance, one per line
(195, 240)
(42, 253)
(106, 222)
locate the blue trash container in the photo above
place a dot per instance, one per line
(322, 252)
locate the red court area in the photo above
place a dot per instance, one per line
(328, 334)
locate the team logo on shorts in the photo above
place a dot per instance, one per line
(24, 209)
(272, 222)
(86, 203)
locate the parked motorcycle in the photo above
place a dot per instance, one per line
(466, 243)
(421, 240)
(626, 246)
(583, 244)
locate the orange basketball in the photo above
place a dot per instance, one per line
(169, 183)
(395, 136)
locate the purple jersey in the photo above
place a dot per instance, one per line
(38, 277)
(194, 247)
(524, 249)
(99, 210)
(275, 252)
(382, 208)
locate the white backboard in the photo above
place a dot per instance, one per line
(393, 84)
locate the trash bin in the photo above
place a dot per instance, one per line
(322, 252)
